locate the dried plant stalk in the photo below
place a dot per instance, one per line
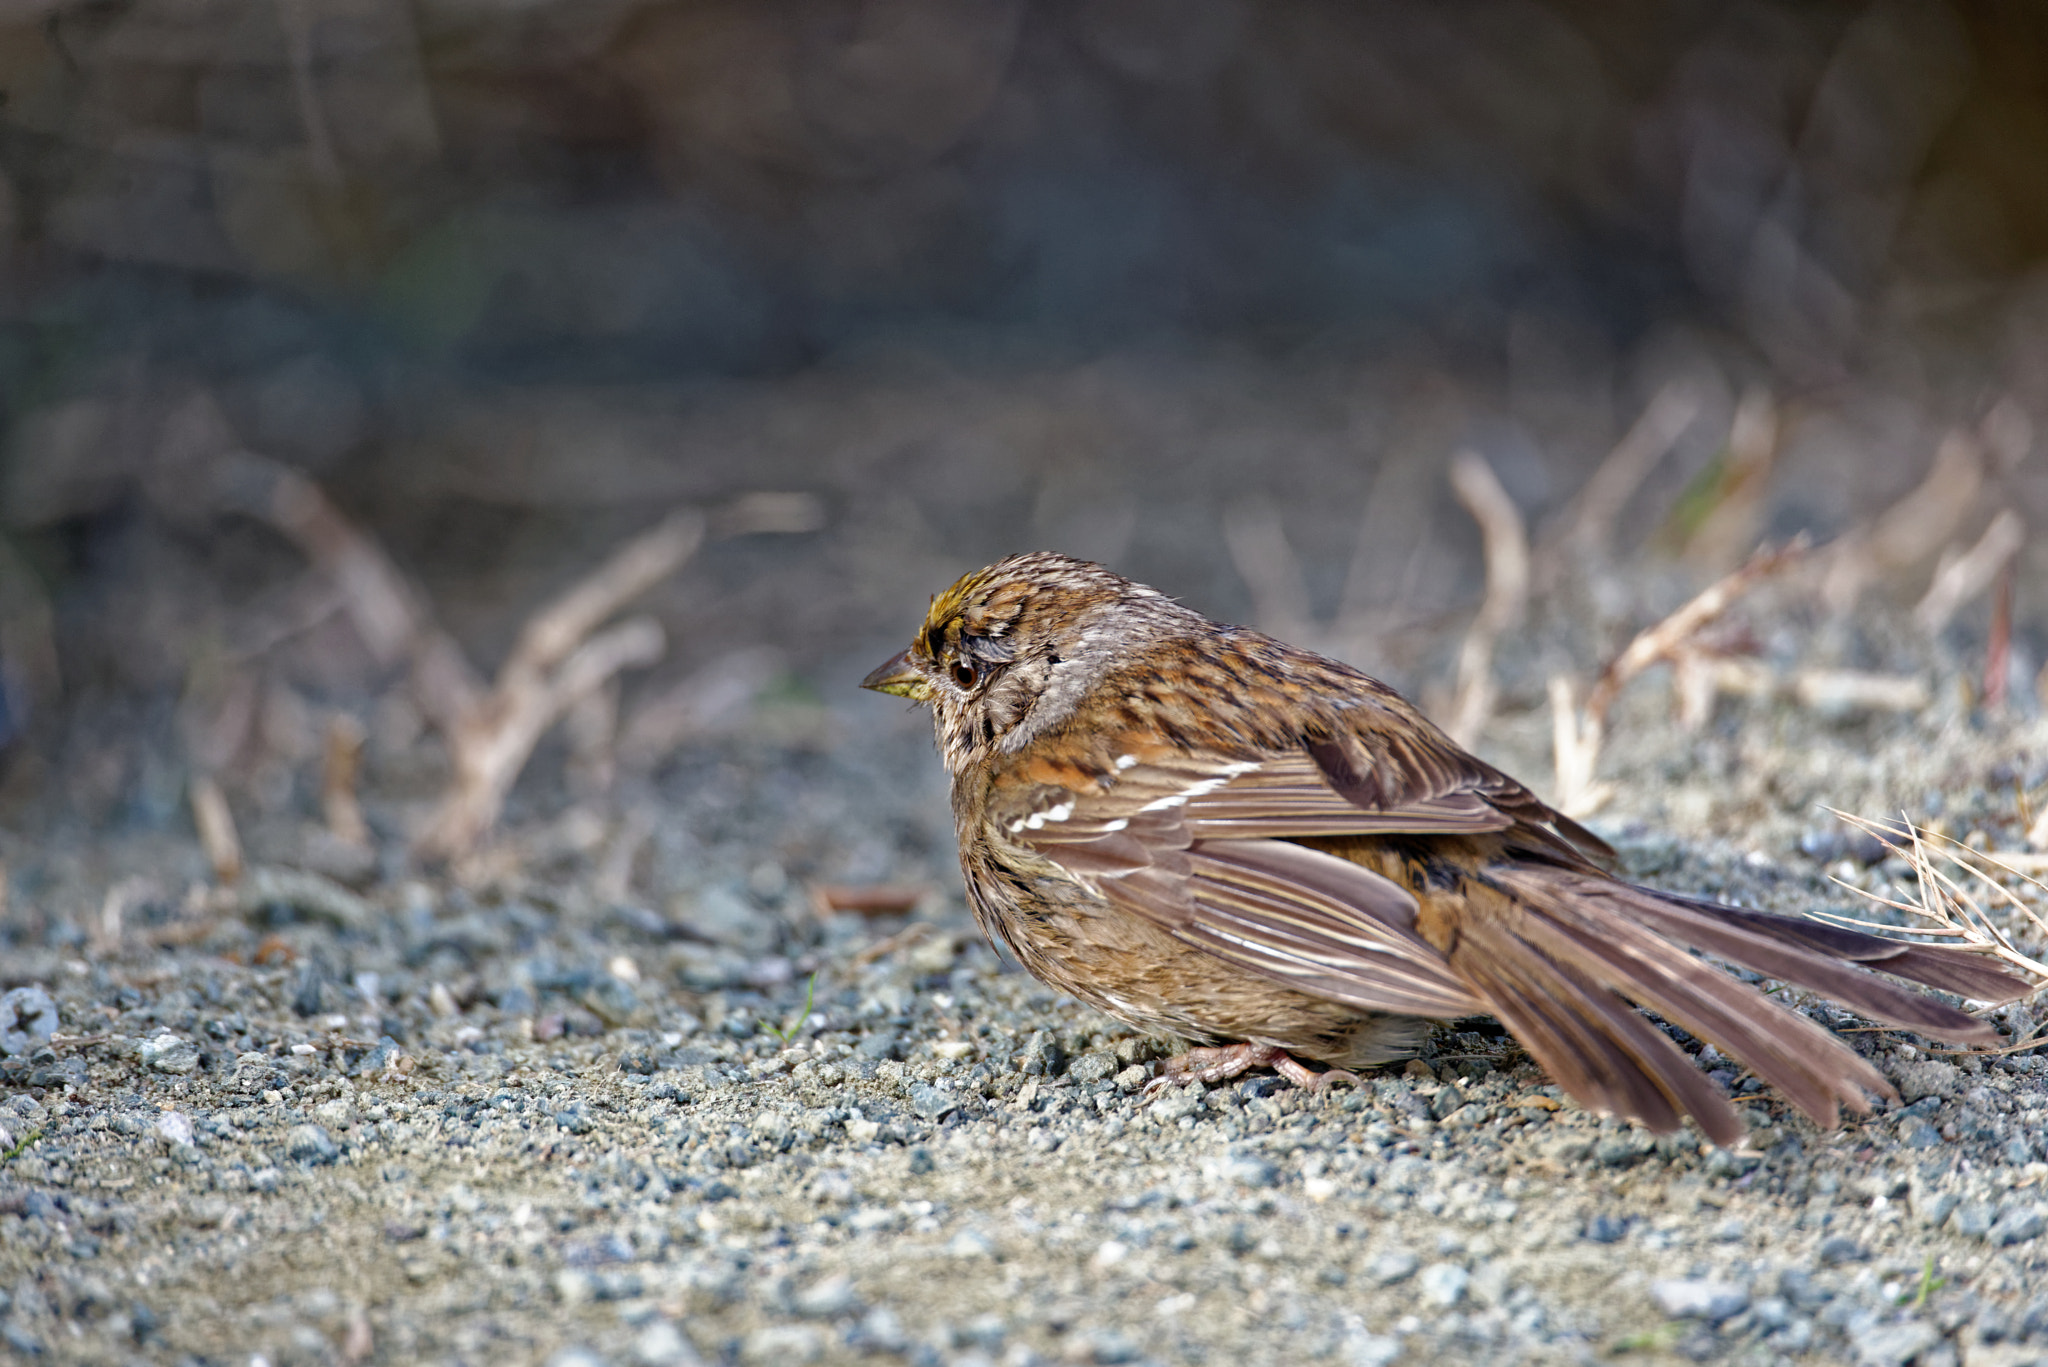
(1575, 746)
(381, 605)
(1963, 575)
(216, 826)
(566, 623)
(560, 660)
(1912, 530)
(1953, 907)
(341, 763)
(492, 744)
(1587, 529)
(1729, 528)
(1998, 647)
(1663, 641)
(1577, 733)
(1505, 544)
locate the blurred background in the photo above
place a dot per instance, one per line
(1210, 290)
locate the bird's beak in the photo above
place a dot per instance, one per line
(897, 676)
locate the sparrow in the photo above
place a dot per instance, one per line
(1210, 834)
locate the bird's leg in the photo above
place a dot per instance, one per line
(1223, 1062)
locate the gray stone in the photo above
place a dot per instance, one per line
(1893, 1345)
(167, 1053)
(1106, 1346)
(28, 1018)
(1972, 1219)
(2019, 1225)
(1623, 1150)
(1370, 1350)
(1393, 1267)
(1931, 1208)
(1177, 1102)
(776, 1344)
(1927, 1077)
(1250, 1170)
(1691, 1298)
(337, 1114)
(828, 1299)
(931, 1103)
(1918, 1133)
(661, 1344)
(1839, 1249)
(1040, 1056)
(1093, 1067)
(1443, 1284)
(1606, 1229)
(311, 1144)
(726, 916)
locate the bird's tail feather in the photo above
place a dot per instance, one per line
(1561, 949)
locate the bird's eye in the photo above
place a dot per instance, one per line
(965, 674)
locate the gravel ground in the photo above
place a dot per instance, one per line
(529, 1122)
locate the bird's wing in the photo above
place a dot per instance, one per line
(1383, 756)
(1309, 920)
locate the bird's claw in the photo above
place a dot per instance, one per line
(1223, 1062)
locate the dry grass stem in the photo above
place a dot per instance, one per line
(1668, 638)
(380, 604)
(2037, 833)
(1842, 691)
(492, 744)
(561, 661)
(563, 625)
(911, 934)
(1505, 542)
(216, 826)
(1577, 732)
(341, 764)
(1587, 527)
(284, 614)
(1998, 646)
(2007, 433)
(1702, 677)
(1911, 531)
(1575, 745)
(557, 666)
(1953, 905)
(1728, 531)
(296, 19)
(1962, 575)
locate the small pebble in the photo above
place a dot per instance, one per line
(28, 1018)
(167, 1053)
(1389, 1268)
(1443, 1284)
(311, 1144)
(1699, 1299)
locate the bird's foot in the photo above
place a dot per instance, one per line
(1223, 1062)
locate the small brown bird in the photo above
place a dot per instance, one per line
(1206, 832)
